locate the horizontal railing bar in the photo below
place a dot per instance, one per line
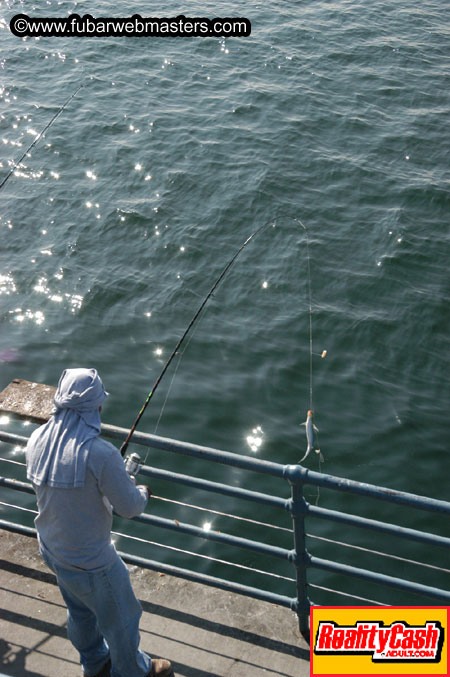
(186, 448)
(378, 553)
(12, 438)
(374, 577)
(313, 511)
(11, 460)
(297, 474)
(345, 594)
(255, 593)
(18, 528)
(161, 545)
(216, 487)
(375, 525)
(229, 586)
(205, 485)
(15, 484)
(221, 514)
(173, 525)
(18, 507)
(189, 449)
(218, 537)
(198, 483)
(173, 548)
(200, 556)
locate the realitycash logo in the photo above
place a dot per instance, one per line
(397, 642)
(379, 641)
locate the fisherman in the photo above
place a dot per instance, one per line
(77, 478)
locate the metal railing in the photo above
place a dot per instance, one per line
(299, 509)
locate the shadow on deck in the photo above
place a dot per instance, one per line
(205, 632)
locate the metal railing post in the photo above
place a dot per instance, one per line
(298, 509)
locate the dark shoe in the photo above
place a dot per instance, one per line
(104, 672)
(161, 668)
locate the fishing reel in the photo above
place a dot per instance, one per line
(133, 464)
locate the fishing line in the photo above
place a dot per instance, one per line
(311, 353)
(311, 346)
(125, 444)
(221, 514)
(308, 262)
(38, 137)
(345, 594)
(171, 383)
(377, 552)
(165, 401)
(197, 554)
(313, 434)
(173, 377)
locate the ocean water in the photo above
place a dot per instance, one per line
(116, 225)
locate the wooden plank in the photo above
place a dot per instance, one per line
(25, 399)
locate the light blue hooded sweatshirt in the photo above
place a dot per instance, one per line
(77, 476)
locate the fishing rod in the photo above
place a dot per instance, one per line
(123, 448)
(40, 135)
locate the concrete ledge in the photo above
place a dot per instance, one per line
(204, 632)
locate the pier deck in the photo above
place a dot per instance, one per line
(205, 632)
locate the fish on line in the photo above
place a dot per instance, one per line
(310, 429)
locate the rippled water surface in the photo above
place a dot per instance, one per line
(119, 220)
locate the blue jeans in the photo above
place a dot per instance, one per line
(103, 618)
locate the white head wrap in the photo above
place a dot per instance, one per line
(57, 452)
